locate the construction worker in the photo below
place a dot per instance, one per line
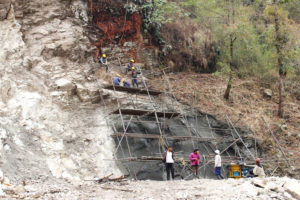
(168, 159)
(117, 80)
(258, 170)
(134, 74)
(103, 62)
(125, 83)
(195, 161)
(129, 66)
(218, 165)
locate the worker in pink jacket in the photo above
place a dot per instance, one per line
(195, 160)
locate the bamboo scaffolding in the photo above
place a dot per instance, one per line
(240, 137)
(170, 137)
(149, 113)
(162, 119)
(132, 90)
(277, 142)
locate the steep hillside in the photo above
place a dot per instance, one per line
(49, 126)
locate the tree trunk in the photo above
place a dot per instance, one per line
(282, 72)
(229, 84)
(232, 39)
(281, 91)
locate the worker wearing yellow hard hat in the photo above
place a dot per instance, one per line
(117, 79)
(103, 62)
(134, 74)
(130, 65)
(125, 83)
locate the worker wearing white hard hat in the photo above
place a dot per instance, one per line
(218, 165)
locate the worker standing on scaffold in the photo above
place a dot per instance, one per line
(134, 74)
(130, 66)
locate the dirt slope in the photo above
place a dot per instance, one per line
(247, 107)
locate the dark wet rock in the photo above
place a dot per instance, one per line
(154, 170)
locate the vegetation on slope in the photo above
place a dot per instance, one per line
(240, 38)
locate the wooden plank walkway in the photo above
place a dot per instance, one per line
(146, 113)
(133, 90)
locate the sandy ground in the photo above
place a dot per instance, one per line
(270, 188)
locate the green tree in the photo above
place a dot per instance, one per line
(232, 38)
(278, 17)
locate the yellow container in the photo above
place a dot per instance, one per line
(235, 171)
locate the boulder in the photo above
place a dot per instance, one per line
(267, 93)
(129, 44)
(4, 8)
(88, 93)
(19, 189)
(293, 188)
(65, 85)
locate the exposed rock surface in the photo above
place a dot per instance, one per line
(48, 124)
(5, 6)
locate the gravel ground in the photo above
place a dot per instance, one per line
(270, 188)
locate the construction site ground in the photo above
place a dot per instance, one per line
(246, 189)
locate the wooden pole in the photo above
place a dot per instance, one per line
(277, 142)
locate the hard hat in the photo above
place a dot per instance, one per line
(123, 81)
(104, 55)
(257, 160)
(217, 151)
(118, 75)
(132, 60)
(132, 68)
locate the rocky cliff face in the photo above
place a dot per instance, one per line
(116, 30)
(48, 123)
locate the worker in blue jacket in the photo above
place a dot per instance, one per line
(134, 74)
(125, 83)
(117, 80)
(130, 66)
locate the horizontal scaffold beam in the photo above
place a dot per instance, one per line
(133, 90)
(146, 113)
(152, 158)
(169, 137)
